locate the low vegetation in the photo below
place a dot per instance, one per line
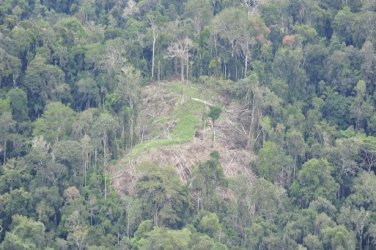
(187, 124)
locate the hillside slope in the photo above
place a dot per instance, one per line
(174, 130)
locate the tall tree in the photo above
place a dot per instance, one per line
(9, 66)
(256, 100)
(44, 82)
(313, 181)
(240, 32)
(162, 196)
(207, 177)
(362, 197)
(296, 147)
(273, 164)
(86, 151)
(155, 30)
(7, 125)
(18, 102)
(103, 132)
(361, 108)
(357, 220)
(198, 12)
(26, 234)
(127, 93)
(214, 113)
(55, 123)
(180, 49)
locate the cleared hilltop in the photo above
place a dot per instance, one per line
(175, 131)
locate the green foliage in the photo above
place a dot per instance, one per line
(9, 65)
(288, 67)
(55, 123)
(207, 177)
(18, 103)
(209, 224)
(313, 181)
(162, 197)
(268, 200)
(12, 178)
(4, 105)
(297, 81)
(44, 82)
(7, 126)
(339, 237)
(25, 234)
(163, 238)
(214, 113)
(362, 195)
(272, 164)
(17, 201)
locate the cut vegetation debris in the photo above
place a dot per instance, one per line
(174, 130)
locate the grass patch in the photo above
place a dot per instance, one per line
(186, 116)
(185, 127)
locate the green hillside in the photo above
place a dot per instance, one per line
(188, 124)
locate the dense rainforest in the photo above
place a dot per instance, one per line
(79, 89)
